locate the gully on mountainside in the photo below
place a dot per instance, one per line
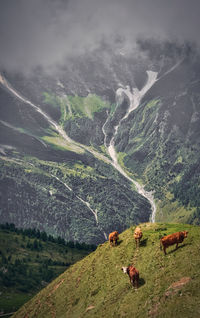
(134, 98)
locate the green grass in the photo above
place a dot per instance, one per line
(153, 103)
(96, 286)
(10, 301)
(59, 143)
(75, 105)
(170, 210)
(87, 106)
(24, 271)
(51, 99)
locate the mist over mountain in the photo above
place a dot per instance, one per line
(45, 33)
(99, 131)
(99, 116)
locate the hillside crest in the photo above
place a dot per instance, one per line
(96, 286)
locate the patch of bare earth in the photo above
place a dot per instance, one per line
(89, 308)
(171, 290)
(49, 301)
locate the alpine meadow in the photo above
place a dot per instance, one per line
(99, 132)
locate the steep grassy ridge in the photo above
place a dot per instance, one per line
(96, 286)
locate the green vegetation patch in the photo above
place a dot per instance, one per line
(171, 210)
(76, 105)
(60, 143)
(96, 286)
(150, 108)
(29, 260)
(87, 106)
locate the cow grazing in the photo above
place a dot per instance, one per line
(113, 238)
(137, 235)
(172, 239)
(133, 274)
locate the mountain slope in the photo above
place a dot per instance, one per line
(78, 201)
(29, 260)
(75, 188)
(160, 143)
(81, 114)
(96, 286)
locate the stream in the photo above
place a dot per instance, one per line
(94, 212)
(134, 97)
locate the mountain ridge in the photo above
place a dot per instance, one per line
(96, 286)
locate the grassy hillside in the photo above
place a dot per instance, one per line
(29, 260)
(96, 286)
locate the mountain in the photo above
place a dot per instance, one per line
(62, 198)
(161, 142)
(29, 260)
(109, 140)
(96, 286)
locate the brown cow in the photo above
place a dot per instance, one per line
(172, 239)
(113, 238)
(137, 235)
(133, 274)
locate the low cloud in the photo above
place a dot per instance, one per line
(45, 32)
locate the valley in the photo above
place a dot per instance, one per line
(76, 146)
(131, 150)
(99, 141)
(134, 100)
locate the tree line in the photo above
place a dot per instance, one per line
(42, 235)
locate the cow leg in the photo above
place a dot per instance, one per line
(176, 246)
(164, 249)
(135, 282)
(132, 282)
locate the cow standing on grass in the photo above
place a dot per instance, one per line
(172, 239)
(133, 274)
(113, 238)
(137, 235)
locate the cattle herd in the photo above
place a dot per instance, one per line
(165, 242)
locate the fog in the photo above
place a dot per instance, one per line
(45, 32)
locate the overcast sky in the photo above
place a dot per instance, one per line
(44, 32)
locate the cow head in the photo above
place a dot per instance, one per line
(124, 269)
(185, 233)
